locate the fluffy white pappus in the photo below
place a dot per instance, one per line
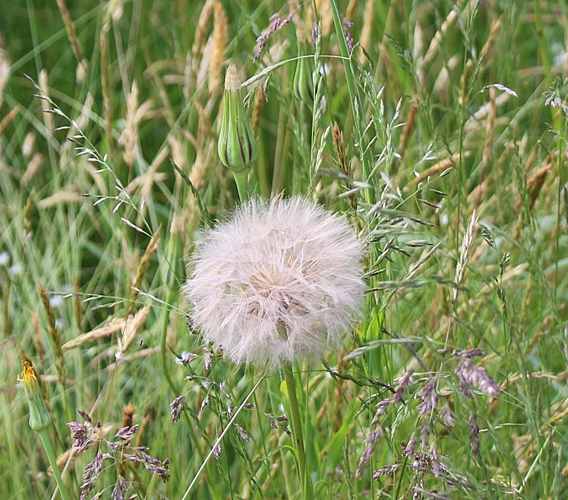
(282, 280)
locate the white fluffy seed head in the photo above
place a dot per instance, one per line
(280, 281)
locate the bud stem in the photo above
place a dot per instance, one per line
(44, 435)
(241, 179)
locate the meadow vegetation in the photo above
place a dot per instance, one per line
(437, 130)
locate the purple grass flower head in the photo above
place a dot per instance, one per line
(347, 25)
(280, 281)
(176, 407)
(473, 434)
(242, 432)
(82, 434)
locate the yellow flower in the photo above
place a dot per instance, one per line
(40, 417)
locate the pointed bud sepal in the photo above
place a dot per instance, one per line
(304, 76)
(237, 146)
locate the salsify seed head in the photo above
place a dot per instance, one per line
(282, 280)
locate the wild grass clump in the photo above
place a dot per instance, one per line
(429, 137)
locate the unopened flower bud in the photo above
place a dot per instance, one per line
(237, 145)
(40, 418)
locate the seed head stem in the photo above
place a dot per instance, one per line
(305, 480)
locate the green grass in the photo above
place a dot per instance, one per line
(434, 141)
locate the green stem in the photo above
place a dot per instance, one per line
(151, 486)
(241, 178)
(44, 435)
(305, 480)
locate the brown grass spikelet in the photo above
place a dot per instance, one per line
(351, 8)
(339, 148)
(128, 415)
(77, 308)
(127, 421)
(464, 83)
(29, 145)
(204, 132)
(257, 110)
(113, 326)
(4, 73)
(114, 11)
(367, 30)
(205, 149)
(105, 81)
(535, 183)
(33, 167)
(50, 314)
(45, 106)
(72, 33)
(150, 415)
(439, 167)
(177, 150)
(448, 23)
(8, 118)
(54, 333)
(133, 324)
(341, 156)
(35, 322)
(29, 208)
(487, 48)
(389, 67)
(220, 38)
(418, 50)
(68, 195)
(323, 8)
(200, 34)
(131, 128)
(407, 129)
(293, 6)
(203, 160)
(475, 120)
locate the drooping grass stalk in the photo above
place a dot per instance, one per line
(305, 480)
